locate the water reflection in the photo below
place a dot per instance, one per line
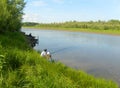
(94, 53)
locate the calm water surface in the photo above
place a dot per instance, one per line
(96, 54)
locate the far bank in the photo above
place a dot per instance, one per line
(107, 32)
(111, 27)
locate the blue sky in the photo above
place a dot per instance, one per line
(47, 11)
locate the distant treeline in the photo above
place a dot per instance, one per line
(30, 24)
(99, 25)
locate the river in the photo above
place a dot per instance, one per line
(96, 54)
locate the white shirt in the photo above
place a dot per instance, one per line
(48, 53)
(43, 53)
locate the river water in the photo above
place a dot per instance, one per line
(96, 54)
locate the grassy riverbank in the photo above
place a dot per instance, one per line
(110, 27)
(109, 32)
(22, 67)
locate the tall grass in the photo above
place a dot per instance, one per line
(24, 68)
(13, 39)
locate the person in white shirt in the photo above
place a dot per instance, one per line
(46, 54)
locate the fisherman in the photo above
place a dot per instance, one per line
(46, 54)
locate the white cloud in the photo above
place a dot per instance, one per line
(59, 1)
(38, 18)
(42, 19)
(38, 3)
(30, 17)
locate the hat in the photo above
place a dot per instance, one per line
(45, 49)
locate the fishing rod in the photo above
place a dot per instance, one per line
(60, 50)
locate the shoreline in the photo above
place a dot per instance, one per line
(93, 31)
(32, 41)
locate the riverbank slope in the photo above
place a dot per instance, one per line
(22, 67)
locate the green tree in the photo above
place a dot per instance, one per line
(4, 14)
(11, 15)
